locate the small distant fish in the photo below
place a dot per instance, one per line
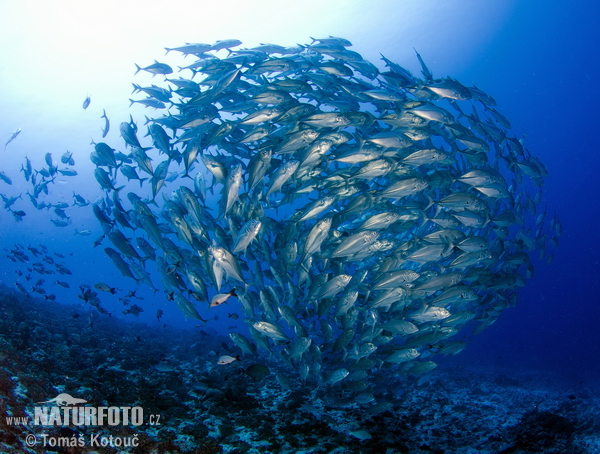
(19, 214)
(164, 368)
(63, 284)
(5, 178)
(257, 371)
(134, 310)
(80, 201)
(233, 316)
(106, 124)
(61, 213)
(98, 241)
(105, 288)
(159, 314)
(226, 359)
(362, 435)
(59, 223)
(67, 158)
(83, 232)
(63, 270)
(13, 137)
(220, 298)
(87, 102)
(67, 172)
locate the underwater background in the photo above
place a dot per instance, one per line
(527, 383)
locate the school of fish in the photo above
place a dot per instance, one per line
(362, 219)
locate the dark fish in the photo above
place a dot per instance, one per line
(121, 264)
(80, 201)
(98, 241)
(67, 158)
(9, 201)
(131, 173)
(28, 169)
(134, 310)
(105, 288)
(129, 134)
(257, 371)
(5, 178)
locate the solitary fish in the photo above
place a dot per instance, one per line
(13, 137)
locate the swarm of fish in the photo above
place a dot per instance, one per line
(368, 219)
(40, 180)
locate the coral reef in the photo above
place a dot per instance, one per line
(205, 408)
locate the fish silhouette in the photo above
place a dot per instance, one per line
(64, 399)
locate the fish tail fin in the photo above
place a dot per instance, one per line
(153, 202)
(142, 180)
(131, 102)
(138, 69)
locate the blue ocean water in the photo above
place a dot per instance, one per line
(538, 63)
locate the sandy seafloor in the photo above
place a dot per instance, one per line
(205, 408)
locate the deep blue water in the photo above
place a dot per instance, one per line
(539, 63)
(542, 61)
